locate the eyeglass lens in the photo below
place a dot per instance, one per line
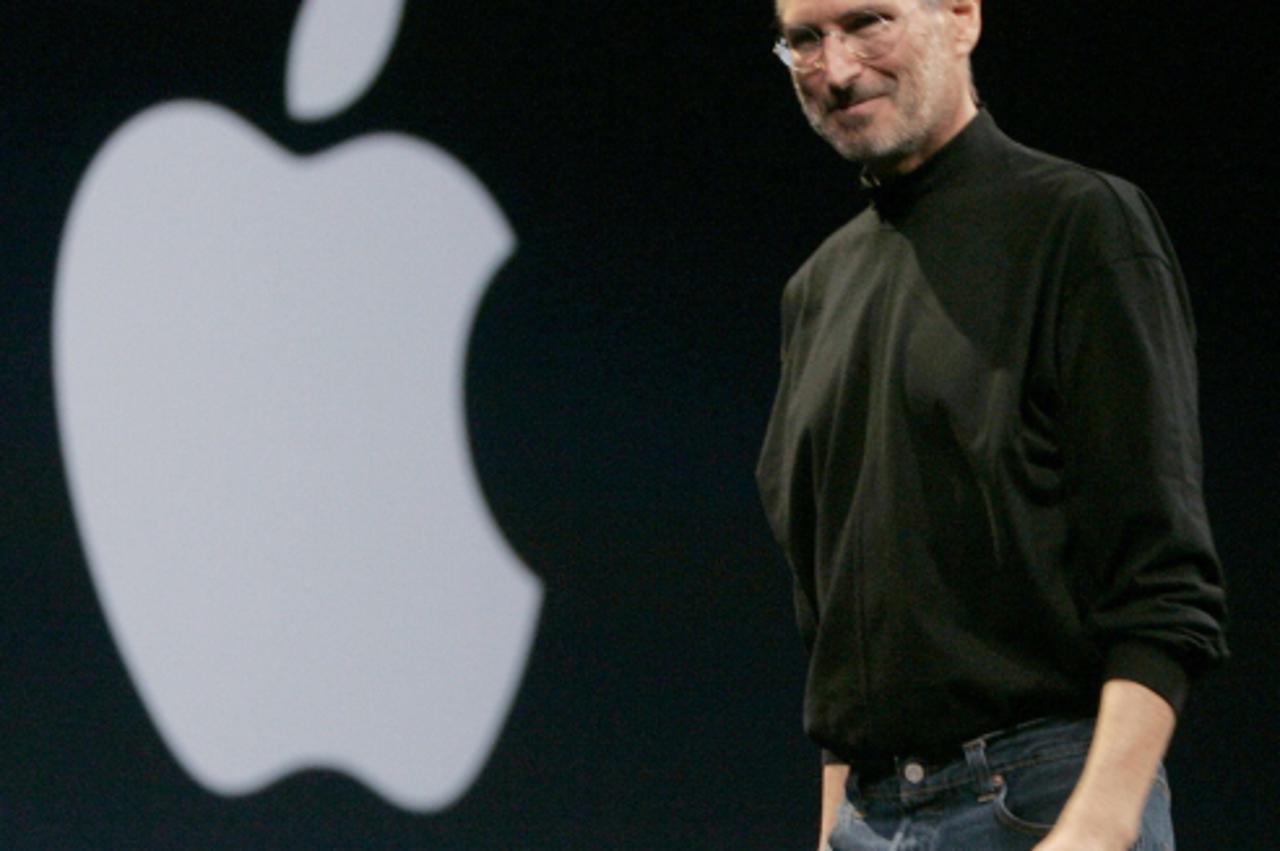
(863, 36)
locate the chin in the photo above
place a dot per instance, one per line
(861, 148)
(889, 146)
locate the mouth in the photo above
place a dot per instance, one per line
(855, 106)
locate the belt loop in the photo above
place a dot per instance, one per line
(975, 756)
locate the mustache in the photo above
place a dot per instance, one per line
(842, 98)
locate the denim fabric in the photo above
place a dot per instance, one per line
(1003, 795)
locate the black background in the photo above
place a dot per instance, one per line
(662, 187)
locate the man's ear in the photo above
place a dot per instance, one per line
(966, 19)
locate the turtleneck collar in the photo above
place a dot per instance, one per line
(952, 162)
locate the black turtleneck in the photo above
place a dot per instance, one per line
(983, 462)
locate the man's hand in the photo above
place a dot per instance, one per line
(1079, 837)
(1104, 813)
(834, 776)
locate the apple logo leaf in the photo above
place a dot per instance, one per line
(338, 49)
(259, 362)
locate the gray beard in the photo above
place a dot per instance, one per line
(869, 151)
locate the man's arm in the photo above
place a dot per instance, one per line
(1105, 811)
(834, 775)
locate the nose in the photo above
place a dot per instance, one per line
(839, 62)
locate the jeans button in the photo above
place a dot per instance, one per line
(913, 772)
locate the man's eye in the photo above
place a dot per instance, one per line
(803, 39)
(864, 23)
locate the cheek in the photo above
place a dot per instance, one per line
(808, 89)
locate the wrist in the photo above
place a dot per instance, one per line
(1100, 822)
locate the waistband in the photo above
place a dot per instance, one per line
(914, 767)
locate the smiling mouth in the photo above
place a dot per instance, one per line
(857, 102)
(852, 106)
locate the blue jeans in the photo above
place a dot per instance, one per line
(1004, 794)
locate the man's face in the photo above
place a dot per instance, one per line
(892, 112)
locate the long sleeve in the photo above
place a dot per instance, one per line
(1149, 581)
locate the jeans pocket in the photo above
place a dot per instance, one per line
(1007, 817)
(854, 832)
(1031, 797)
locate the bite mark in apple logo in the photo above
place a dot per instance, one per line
(258, 366)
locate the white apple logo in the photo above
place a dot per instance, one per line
(259, 375)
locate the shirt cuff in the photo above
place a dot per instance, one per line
(1150, 666)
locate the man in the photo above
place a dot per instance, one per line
(983, 465)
